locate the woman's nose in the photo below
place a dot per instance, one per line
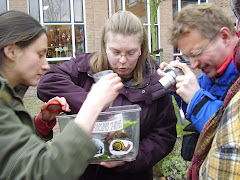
(123, 59)
(45, 65)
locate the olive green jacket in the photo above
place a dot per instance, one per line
(25, 155)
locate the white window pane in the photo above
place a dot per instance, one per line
(3, 5)
(78, 10)
(116, 5)
(56, 10)
(34, 8)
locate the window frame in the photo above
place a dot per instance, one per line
(72, 23)
(7, 6)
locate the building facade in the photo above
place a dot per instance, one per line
(75, 25)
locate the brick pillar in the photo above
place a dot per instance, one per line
(19, 5)
(166, 20)
(96, 16)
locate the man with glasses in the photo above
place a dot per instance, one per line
(206, 38)
(217, 154)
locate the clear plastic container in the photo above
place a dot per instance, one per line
(116, 133)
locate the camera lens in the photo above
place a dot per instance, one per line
(169, 80)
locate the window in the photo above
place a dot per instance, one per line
(34, 9)
(142, 10)
(56, 11)
(3, 5)
(64, 22)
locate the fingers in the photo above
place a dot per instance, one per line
(160, 72)
(105, 90)
(187, 86)
(163, 65)
(186, 70)
(63, 102)
(111, 79)
(161, 68)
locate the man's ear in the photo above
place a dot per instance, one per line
(226, 35)
(10, 51)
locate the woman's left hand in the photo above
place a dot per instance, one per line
(48, 116)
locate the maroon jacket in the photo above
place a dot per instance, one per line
(73, 80)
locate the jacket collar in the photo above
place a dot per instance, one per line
(10, 96)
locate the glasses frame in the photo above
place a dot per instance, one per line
(193, 55)
(237, 16)
(236, 13)
(110, 53)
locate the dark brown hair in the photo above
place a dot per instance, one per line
(18, 28)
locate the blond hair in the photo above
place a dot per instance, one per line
(126, 23)
(206, 18)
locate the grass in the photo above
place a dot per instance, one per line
(171, 167)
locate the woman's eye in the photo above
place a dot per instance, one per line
(116, 53)
(42, 55)
(131, 53)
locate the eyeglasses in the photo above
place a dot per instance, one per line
(193, 55)
(236, 13)
(118, 55)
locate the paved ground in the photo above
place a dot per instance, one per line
(31, 92)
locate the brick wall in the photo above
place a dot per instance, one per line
(97, 13)
(20, 5)
(166, 16)
(96, 16)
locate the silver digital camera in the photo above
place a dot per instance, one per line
(169, 79)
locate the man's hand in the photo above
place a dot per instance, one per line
(187, 84)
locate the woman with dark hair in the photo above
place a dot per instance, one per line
(123, 49)
(24, 153)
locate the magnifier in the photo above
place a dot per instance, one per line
(54, 106)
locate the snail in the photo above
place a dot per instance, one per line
(119, 146)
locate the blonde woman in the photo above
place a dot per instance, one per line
(123, 49)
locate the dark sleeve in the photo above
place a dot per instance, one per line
(44, 130)
(64, 81)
